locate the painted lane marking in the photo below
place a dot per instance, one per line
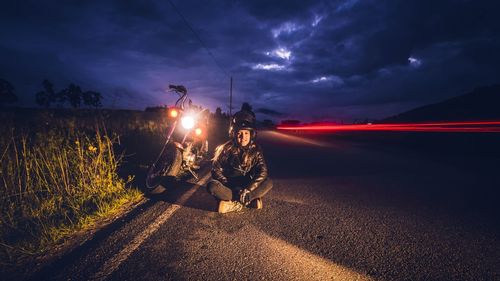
(112, 265)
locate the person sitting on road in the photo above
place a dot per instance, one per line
(239, 171)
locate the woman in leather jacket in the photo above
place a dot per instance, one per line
(239, 171)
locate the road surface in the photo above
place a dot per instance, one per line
(343, 207)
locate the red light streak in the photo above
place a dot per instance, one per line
(468, 126)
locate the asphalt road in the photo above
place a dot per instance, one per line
(343, 207)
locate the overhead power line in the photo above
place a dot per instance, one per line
(198, 38)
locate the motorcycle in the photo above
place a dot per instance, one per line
(186, 144)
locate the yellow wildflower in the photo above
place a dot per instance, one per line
(92, 148)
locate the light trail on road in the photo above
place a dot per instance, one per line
(454, 127)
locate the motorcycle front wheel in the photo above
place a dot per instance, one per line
(167, 166)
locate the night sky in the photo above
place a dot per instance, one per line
(310, 60)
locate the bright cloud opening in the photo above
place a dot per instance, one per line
(271, 66)
(414, 62)
(317, 80)
(287, 27)
(282, 53)
(331, 79)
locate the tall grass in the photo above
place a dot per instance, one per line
(53, 183)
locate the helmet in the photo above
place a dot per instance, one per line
(242, 120)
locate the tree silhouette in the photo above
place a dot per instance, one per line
(92, 99)
(218, 113)
(7, 93)
(246, 106)
(47, 95)
(73, 94)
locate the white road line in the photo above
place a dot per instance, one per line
(111, 265)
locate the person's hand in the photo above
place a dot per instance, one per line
(245, 196)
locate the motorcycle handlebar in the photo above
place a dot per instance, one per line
(178, 88)
(182, 92)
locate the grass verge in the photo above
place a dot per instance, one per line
(54, 184)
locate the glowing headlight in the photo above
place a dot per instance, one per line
(173, 113)
(187, 122)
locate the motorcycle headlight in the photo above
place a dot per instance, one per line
(198, 131)
(187, 122)
(173, 112)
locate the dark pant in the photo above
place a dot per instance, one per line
(222, 192)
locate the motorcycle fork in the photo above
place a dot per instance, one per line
(187, 155)
(167, 141)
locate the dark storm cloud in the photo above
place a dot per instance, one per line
(269, 112)
(312, 59)
(278, 10)
(367, 48)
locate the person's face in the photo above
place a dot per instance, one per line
(243, 137)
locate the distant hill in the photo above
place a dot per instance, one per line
(481, 104)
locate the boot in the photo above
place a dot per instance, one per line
(229, 206)
(256, 204)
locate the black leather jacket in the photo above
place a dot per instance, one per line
(239, 167)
